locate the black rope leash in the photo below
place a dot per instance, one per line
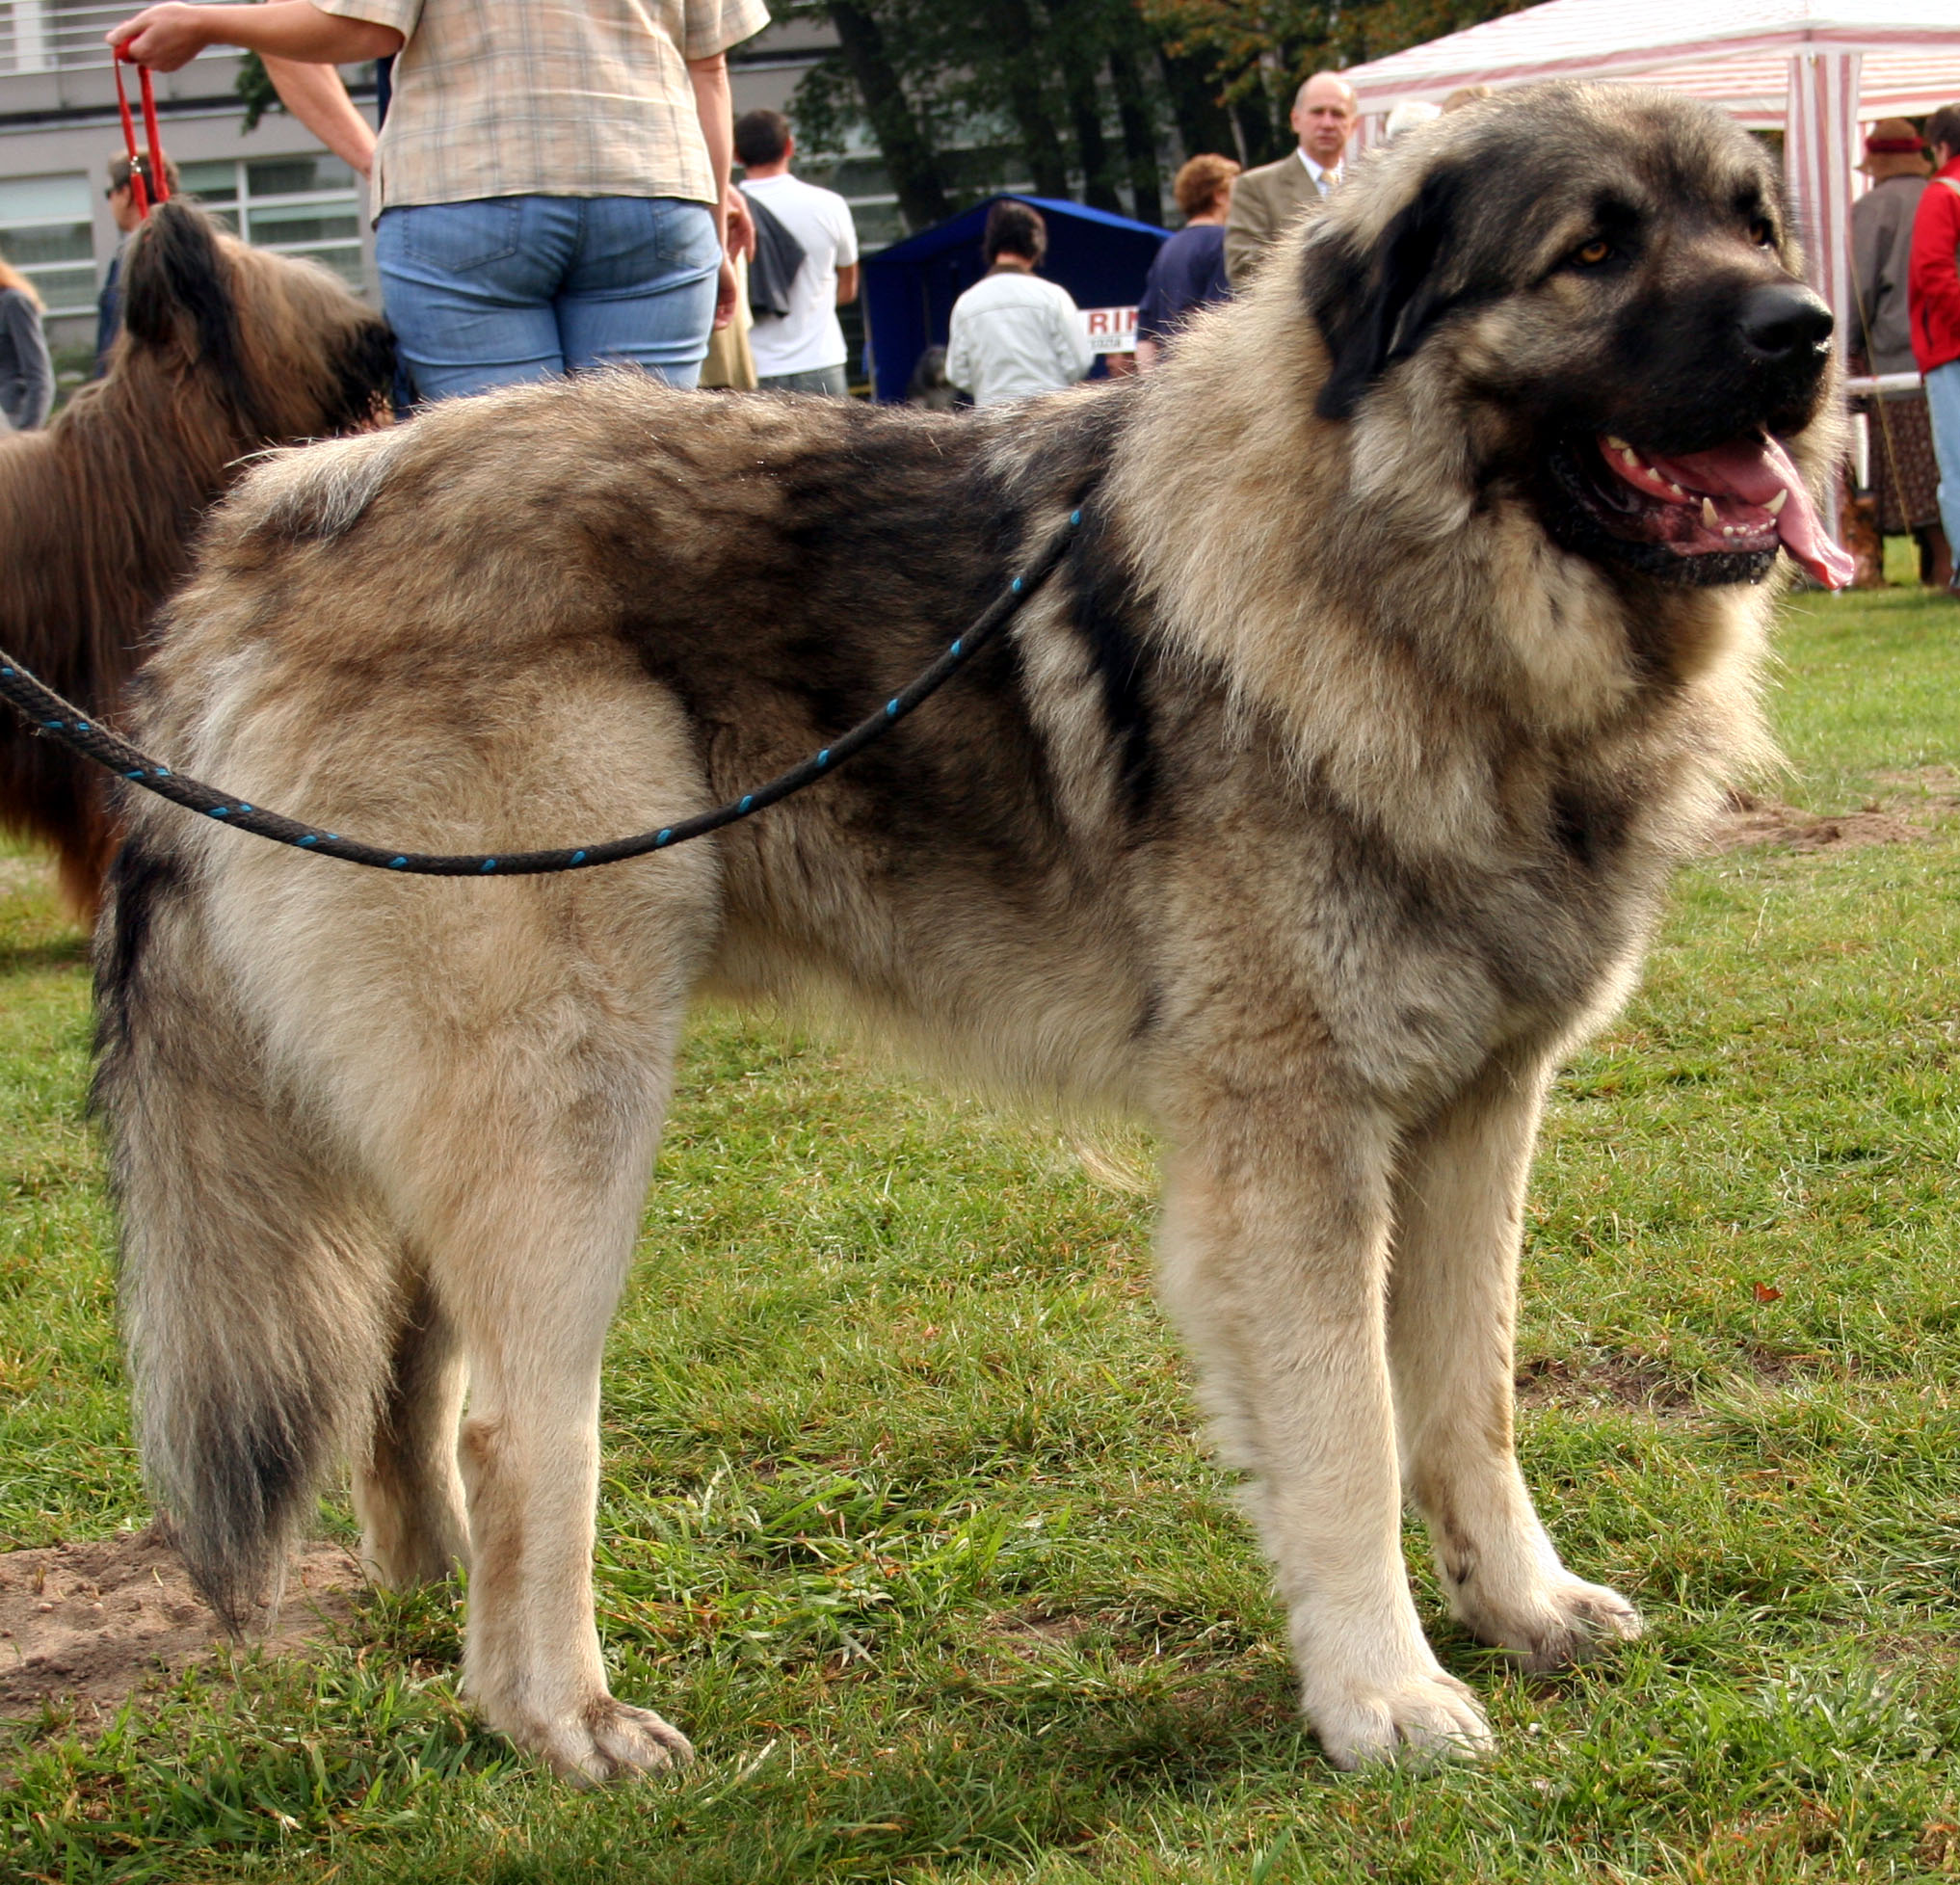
(48, 714)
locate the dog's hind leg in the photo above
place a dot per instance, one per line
(1274, 1257)
(500, 1055)
(447, 1101)
(528, 1252)
(1459, 1203)
(407, 1491)
(258, 1275)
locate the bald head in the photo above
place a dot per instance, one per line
(1323, 118)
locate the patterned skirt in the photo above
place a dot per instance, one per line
(1905, 475)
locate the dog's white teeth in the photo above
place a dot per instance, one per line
(1615, 445)
(1630, 458)
(1710, 515)
(1777, 502)
(1676, 488)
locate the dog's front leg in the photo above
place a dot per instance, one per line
(1274, 1262)
(1459, 1203)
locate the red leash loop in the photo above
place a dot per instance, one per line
(159, 179)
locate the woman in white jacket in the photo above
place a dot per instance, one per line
(1013, 333)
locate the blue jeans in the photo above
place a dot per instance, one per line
(508, 289)
(1943, 400)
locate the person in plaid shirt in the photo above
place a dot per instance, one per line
(552, 187)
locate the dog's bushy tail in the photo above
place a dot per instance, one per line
(256, 1287)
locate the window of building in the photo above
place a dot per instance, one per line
(46, 36)
(46, 233)
(296, 205)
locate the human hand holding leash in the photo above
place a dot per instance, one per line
(169, 37)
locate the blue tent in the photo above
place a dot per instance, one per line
(910, 288)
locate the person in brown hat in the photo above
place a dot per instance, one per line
(1904, 475)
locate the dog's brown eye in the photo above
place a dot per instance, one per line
(1594, 252)
(1761, 233)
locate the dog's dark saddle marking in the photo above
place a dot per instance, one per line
(47, 713)
(1103, 614)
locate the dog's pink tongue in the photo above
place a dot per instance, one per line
(1755, 470)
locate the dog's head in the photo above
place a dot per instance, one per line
(280, 343)
(1596, 290)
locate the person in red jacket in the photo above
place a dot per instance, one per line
(1933, 306)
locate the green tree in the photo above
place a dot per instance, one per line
(253, 84)
(1257, 52)
(966, 95)
(1080, 98)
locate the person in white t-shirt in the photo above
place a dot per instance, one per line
(802, 350)
(1013, 333)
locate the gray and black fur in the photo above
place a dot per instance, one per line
(1320, 800)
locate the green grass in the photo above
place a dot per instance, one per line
(907, 1521)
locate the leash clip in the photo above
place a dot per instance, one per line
(140, 191)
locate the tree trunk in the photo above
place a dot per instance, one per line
(1085, 112)
(1203, 124)
(1040, 144)
(1139, 136)
(910, 159)
(1254, 121)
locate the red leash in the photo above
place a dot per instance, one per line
(158, 177)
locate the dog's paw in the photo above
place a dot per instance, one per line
(1430, 1718)
(1562, 1622)
(609, 1741)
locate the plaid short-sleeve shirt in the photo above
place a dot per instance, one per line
(548, 98)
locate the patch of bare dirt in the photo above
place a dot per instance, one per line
(1611, 1381)
(1030, 1636)
(1911, 1655)
(1780, 1365)
(1903, 813)
(89, 1625)
(1936, 788)
(1747, 821)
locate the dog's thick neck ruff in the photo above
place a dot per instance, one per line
(1444, 562)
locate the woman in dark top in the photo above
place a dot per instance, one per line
(1190, 268)
(26, 373)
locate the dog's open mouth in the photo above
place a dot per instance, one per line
(1700, 517)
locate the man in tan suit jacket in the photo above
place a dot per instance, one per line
(1266, 201)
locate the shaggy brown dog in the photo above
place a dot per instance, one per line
(225, 349)
(1316, 806)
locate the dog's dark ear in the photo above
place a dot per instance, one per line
(173, 276)
(176, 294)
(1374, 306)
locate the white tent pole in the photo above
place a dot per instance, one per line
(1820, 128)
(1820, 134)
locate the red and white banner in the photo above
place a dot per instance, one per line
(1111, 330)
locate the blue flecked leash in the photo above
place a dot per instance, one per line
(48, 714)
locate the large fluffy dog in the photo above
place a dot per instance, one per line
(1317, 806)
(225, 349)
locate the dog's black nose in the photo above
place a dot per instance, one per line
(1783, 321)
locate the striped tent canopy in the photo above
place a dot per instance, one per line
(1811, 68)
